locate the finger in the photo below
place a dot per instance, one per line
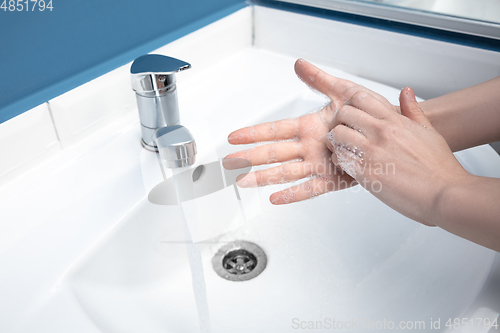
(285, 129)
(348, 149)
(270, 153)
(410, 108)
(372, 105)
(310, 189)
(288, 172)
(355, 119)
(343, 135)
(339, 90)
(332, 86)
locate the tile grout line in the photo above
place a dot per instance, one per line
(53, 122)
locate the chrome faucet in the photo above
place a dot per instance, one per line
(154, 83)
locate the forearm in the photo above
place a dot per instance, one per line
(471, 209)
(468, 117)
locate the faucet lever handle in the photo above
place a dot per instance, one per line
(154, 74)
(158, 64)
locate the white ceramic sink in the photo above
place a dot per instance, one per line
(343, 255)
(87, 251)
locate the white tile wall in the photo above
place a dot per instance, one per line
(26, 139)
(84, 110)
(431, 67)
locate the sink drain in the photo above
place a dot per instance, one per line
(239, 261)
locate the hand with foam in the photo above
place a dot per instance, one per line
(306, 153)
(394, 152)
(404, 161)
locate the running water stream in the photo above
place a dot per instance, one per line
(194, 257)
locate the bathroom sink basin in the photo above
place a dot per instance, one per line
(92, 238)
(342, 256)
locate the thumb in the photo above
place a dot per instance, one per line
(410, 108)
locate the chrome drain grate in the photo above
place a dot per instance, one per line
(239, 261)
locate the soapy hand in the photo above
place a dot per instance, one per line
(392, 151)
(400, 158)
(305, 154)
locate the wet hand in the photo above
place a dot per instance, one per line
(400, 158)
(300, 144)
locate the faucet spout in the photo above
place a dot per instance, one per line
(176, 146)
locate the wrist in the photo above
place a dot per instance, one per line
(448, 198)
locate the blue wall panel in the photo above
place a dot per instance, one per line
(46, 53)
